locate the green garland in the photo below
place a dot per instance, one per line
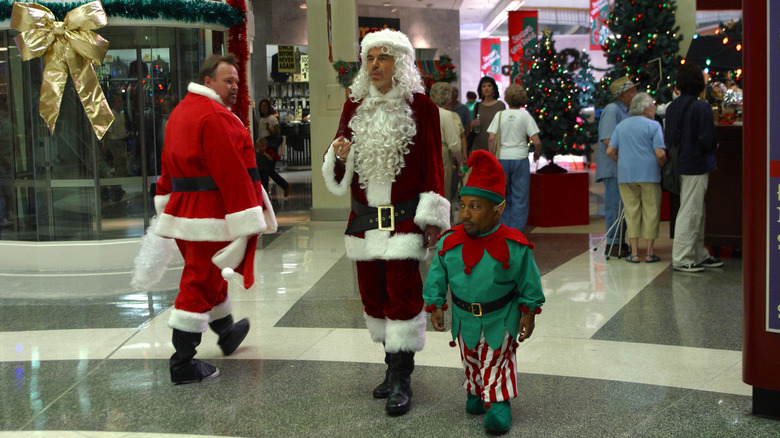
(346, 71)
(189, 11)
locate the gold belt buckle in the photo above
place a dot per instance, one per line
(476, 309)
(391, 210)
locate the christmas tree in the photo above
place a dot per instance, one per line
(585, 81)
(554, 102)
(643, 45)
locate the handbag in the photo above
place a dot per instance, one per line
(670, 175)
(498, 136)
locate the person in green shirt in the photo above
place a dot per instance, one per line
(496, 292)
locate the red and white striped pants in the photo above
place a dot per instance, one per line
(490, 374)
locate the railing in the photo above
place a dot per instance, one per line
(298, 154)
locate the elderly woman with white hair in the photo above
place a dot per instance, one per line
(639, 141)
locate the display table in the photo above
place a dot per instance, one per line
(559, 199)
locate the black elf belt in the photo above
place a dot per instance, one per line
(203, 183)
(479, 309)
(383, 217)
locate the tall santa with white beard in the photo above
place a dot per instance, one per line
(387, 152)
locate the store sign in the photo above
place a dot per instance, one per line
(304, 68)
(773, 177)
(286, 59)
(491, 58)
(599, 13)
(523, 30)
(368, 24)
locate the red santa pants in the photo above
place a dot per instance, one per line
(490, 374)
(390, 288)
(202, 286)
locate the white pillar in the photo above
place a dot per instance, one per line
(686, 19)
(326, 95)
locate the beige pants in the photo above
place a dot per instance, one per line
(642, 206)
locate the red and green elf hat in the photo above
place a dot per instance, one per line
(486, 178)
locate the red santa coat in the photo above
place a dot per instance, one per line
(422, 177)
(203, 138)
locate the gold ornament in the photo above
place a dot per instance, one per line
(68, 46)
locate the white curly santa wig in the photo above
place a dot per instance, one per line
(406, 77)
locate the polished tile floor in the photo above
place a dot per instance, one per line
(620, 350)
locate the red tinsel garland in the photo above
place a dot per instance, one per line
(239, 46)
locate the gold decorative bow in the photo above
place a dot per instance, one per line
(69, 46)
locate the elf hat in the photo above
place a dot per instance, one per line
(386, 38)
(486, 177)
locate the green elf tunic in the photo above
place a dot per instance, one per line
(476, 277)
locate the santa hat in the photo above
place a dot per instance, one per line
(486, 177)
(387, 38)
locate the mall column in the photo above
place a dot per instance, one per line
(761, 206)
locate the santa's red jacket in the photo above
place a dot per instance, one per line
(204, 139)
(421, 177)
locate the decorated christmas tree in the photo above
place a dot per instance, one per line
(585, 81)
(644, 45)
(554, 102)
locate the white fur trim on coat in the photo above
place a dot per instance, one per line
(433, 209)
(379, 245)
(221, 310)
(160, 201)
(196, 230)
(189, 322)
(246, 222)
(329, 171)
(408, 335)
(378, 193)
(270, 216)
(376, 327)
(205, 91)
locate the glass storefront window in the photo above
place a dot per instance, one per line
(69, 185)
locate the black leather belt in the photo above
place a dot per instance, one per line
(203, 183)
(383, 217)
(479, 309)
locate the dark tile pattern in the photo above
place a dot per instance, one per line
(553, 250)
(685, 309)
(257, 398)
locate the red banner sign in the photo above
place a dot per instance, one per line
(599, 14)
(490, 64)
(523, 29)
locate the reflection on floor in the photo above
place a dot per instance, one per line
(620, 350)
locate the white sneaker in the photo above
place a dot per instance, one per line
(712, 262)
(690, 267)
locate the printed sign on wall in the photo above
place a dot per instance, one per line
(599, 14)
(286, 59)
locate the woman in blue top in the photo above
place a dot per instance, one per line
(640, 141)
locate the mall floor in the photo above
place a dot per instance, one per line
(620, 350)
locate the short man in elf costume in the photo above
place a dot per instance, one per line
(387, 152)
(496, 292)
(210, 200)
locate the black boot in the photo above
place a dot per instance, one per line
(184, 367)
(383, 390)
(400, 398)
(230, 335)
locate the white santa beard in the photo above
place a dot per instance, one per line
(382, 130)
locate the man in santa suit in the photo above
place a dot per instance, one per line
(387, 152)
(210, 199)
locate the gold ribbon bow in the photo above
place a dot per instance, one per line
(69, 46)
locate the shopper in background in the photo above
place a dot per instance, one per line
(484, 112)
(638, 141)
(267, 146)
(623, 90)
(461, 110)
(696, 159)
(471, 101)
(452, 144)
(516, 127)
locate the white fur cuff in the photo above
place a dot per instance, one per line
(406, 335)
(221, 310)
(232, 255)
(433, 209)
(329, 171)
(376, 327)
(246, 223)
(189, 322)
